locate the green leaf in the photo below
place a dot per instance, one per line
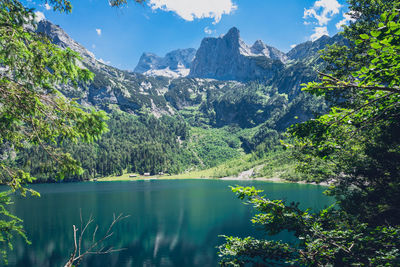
(372, 52)
(376, 46)
(364, 36)
(375, 33)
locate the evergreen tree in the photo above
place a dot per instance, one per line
(356, 146)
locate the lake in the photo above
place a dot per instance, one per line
(171, 223)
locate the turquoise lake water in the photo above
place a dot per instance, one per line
(171, 223)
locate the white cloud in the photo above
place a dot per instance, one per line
(39, 16)
(47, 6)
(323, 11)
(346, 19)
(195, 9)
(98, 31)
(293, 45)
(319, 32)
(208, 30)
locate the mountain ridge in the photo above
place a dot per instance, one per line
(174, 64)
(228, 57)
(210, 100)
(188, 121)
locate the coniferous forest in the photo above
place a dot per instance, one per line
(325, 112)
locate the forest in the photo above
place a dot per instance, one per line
(355, 146)
(346, 136)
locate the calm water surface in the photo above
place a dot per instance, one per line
(171, 223)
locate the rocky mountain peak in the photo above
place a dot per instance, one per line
(310, 49)
(233, 34)
(59, 37)
(175, 63)
(230, 58)
(259, 48)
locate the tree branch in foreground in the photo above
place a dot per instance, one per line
(79, 252)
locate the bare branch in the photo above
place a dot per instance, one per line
(339, 84)
(360, 108)
(94, 246)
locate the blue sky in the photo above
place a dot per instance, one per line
(119, 36)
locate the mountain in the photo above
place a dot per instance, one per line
(59, 37)
(233, 65)
(175, 63)
(111, 87)
(229, 58)
(236, 98)
(310, 49)
(259, 48)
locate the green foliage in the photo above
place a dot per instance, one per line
(10, 225)
(280, 163)
(133, 144)
(32, 111)
(214, 146)
(357, 141)
(327, 237)
(235, 252)
(356, 147)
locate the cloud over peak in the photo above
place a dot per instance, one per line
(320, 14)
(323, 11)
(195, 9)
(319, 32)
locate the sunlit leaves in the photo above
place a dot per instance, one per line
(355, 147)
(32, 110)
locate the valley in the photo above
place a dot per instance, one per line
(216, 148)
(207, 114)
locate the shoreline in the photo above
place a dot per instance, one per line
(124, 178)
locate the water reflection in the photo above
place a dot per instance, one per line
(172, 223)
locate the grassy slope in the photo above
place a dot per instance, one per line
(276, 165)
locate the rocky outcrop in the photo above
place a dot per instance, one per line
(199, 99)
(309, 49)
(259, 48)
(175, 63)
(59, 37)
(229, 58)
(111, 87)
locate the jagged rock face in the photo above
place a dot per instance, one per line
(229, 58)
(110, 86)
(201, 100)
(147, 62)
(175, 63)
(59, 37)
(310, 49)
(261, 49)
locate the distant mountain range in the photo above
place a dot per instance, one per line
(191, 107)
(212, 85)
(228, 58)
(175, 63)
